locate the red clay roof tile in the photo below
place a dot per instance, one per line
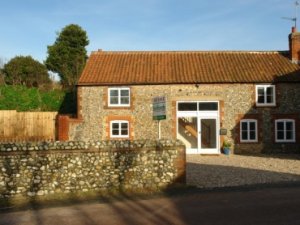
(155, 67)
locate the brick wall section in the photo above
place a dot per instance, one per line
(63, 127)
(47, 168)
(294, 44)
(235, 99)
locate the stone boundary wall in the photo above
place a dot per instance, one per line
(30, 169)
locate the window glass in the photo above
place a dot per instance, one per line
(280, 135)
(248, 131)
(252, 135)
(270, 99)
(289, 135)
(280, 126)
(265, 94)
(244, 135)
(208, 106)
(114, 100)
(269, 91)
(125, 93)
(289, 126)
(114, 92)
(119, 129)
(187, 106)
(119, 96)
(124, 100)
(244, 126)
(252, 125)
(285, 130)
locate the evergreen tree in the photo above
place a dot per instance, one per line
(67, 56)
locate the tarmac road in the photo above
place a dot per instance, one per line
(266, 205)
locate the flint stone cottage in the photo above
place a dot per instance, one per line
(249, 98)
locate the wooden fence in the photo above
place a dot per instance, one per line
(27, 126)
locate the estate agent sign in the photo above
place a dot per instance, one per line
(159, 108)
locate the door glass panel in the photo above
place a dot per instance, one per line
(188, 131)
(208, 106)
(187, 106)
(208, 133)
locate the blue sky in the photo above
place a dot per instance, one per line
(28, 26)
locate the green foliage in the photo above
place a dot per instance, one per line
(24, 70)
(67, 56)
(227, 144)
(21, 98)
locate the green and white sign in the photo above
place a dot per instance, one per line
(159, 108)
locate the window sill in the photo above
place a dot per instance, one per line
(285, 142)
(265, 105)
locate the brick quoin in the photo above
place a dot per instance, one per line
(63, 128)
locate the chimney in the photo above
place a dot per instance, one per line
(294, 44)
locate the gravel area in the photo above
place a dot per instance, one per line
(237, 170)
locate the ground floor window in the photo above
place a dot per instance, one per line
(248, 129)
(285, 130)
(119, 129)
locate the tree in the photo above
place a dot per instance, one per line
(67, 56)
(2, 81)
(24, 70)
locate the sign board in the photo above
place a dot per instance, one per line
(159, 108)
(223, 131)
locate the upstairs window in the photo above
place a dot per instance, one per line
(265, 95)
(119, 129)
(119, 97)
(285, 130)
(248, 129)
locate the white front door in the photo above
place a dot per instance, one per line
(198, 126)
(208, 135)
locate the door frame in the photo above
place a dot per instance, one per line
(213, 114)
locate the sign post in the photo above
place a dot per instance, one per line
(159, 111)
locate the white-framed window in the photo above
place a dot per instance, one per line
(285, 130)
(119, 97)
(119, 129)
(265, 95)
(248, 130)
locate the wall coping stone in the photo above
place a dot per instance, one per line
(111, 145)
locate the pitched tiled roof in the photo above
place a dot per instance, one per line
(154, 67)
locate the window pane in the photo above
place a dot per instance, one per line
(124, 126)
(261, 99)
(208, 106)
(289, 125)
(188, 131)
(280, 135)
(280, 126)
(252, 126)
(114, 93)
(115, 126)
(260, 91)
(187, 106)
(114, 100)
(269, 90)
(124, 100)
(124, 132)
(252, 135)
(289, 135)
(115, 132)
(124, 129)
(270, 99)
(244, 135)
(244, 126)
(260, 95)
(125, 93)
